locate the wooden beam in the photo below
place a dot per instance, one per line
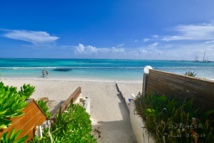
(65, 104)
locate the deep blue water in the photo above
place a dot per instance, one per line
(98, 68)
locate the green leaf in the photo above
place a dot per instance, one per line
(22, 139)
(3, 112)
(208, 113)
(4, 123)
(4, 138)
(43, 105)
(12, 136)
(26, 91)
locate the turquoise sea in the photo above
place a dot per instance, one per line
(98, 68)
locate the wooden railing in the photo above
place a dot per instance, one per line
(181, 86)
(33, 116)
(64, 105)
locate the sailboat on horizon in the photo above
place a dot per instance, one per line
(205, 60)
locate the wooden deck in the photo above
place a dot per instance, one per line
(33, 116)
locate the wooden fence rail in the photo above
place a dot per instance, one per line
(64, 105)
(181, 86)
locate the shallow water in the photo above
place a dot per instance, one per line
(98, 68)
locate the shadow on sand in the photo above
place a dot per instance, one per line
(116, 131)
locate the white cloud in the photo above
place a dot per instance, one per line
(192, 32)
(81, 49)
(145, 39)
(188, 42)
(154, 44)
(190, 51)
(200, 39)
(117, 50)
(153, 51)
(143, 51)
(30, 36)
(155, 36)
(91, 50)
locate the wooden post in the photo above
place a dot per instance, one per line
(145, 78)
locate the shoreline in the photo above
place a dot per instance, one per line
(70, 79)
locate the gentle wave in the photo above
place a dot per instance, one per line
(26, 68)
(41, 68)
(184, 67)
(33, 68)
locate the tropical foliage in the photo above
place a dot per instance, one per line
(26, 91)
(12, 102)
(189, 73)
(175, 120)
(13, 137)
(43, 105)
(73, 125)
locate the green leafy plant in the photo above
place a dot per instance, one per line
(12, 102)
(73, 125)
(189, 73)
(43, 105)
(174, 120)
(13, 137)
(26, 91)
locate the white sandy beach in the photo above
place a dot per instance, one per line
(108, 112)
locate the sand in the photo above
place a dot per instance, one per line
(110, 118)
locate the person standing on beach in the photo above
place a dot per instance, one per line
(43, 73)
(46, 72)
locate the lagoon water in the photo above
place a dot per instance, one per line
(95, 69)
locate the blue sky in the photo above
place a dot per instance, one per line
(118, 29)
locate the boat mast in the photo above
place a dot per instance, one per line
(204, 56)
